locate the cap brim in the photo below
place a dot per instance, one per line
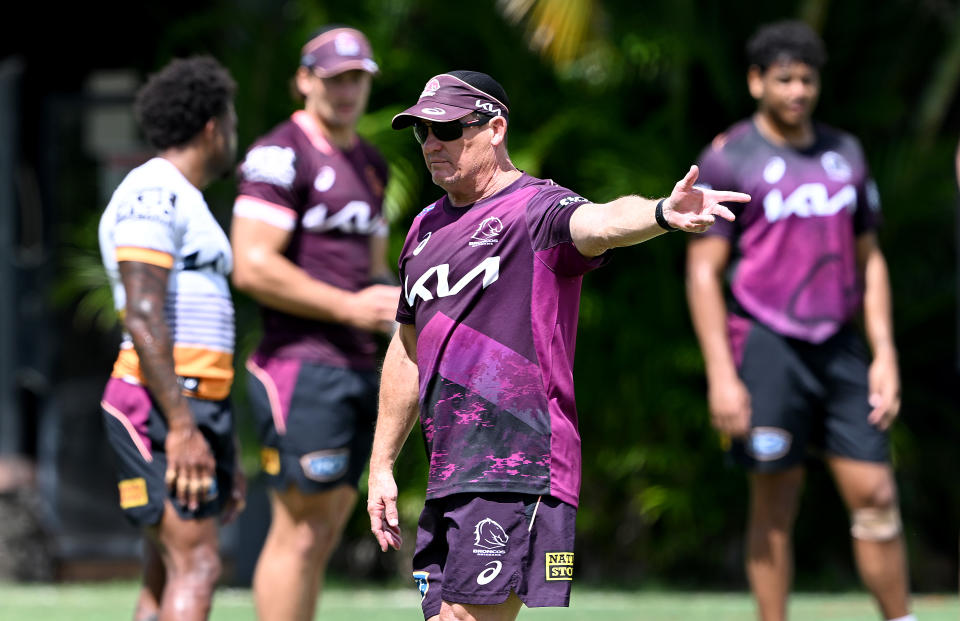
(429, 111)
(364, 64)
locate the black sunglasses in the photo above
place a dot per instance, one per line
(450, 130)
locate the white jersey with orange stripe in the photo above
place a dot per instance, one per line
(157, 216)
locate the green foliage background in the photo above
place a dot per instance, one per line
(650, 85)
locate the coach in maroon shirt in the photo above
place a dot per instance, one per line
(484, 355)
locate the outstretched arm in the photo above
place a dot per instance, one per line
(629, 220)
(399, 397)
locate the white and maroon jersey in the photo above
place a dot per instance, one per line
(331, 202)
(158, 217)
(493, 290)
(794, 259)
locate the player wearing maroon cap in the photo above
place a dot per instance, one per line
(786, 368)
(491, 279)
(310, 244)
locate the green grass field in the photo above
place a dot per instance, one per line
(114, 601)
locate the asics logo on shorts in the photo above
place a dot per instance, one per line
(487, 575)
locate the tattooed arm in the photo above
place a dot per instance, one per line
(190, 463)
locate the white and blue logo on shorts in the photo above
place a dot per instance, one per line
(769, 443)
(325, 466)
(422, 578)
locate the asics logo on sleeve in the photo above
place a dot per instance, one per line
(489, 269)
(808, 201)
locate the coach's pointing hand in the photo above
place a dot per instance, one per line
(694, 209)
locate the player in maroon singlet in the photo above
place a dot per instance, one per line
(310, 244)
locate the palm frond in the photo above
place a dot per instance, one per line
(557, 29)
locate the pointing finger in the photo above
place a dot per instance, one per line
(733, 197)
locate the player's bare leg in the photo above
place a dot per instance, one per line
(507, 611)
(154, 579)
(774, 498)
(304, 531)
(878, 541)
(192, 562)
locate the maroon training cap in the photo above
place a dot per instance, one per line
(337, 50)
(453, 95)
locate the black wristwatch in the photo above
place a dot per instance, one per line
(658, 214)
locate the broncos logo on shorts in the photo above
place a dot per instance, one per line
(489, 534)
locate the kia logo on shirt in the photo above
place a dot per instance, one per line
(489, 269)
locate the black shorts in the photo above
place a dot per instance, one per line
(137, 431)
(805, 397)
(315, 422)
